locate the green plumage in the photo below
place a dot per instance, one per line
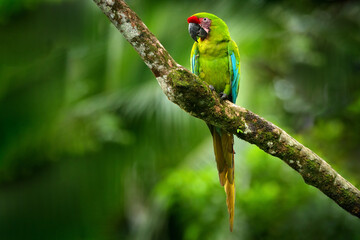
(216, 60)
(212, 61)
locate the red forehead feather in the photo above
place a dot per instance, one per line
(193, 19)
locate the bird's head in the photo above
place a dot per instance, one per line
(201, 24)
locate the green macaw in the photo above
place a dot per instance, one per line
(215, 59)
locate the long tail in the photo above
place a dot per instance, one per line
(224, 155)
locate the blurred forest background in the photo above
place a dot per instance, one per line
(90, 148)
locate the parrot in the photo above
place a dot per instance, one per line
(215, 59)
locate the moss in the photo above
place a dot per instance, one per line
(344, 196)
(327, 180)
(291, 151)
(192, 94)
(181, 82)
(269, 136)
(264, 137)
(312, 165)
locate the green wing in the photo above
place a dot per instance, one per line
(194, 59)
(234, 67)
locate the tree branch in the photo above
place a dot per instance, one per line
(194, 96)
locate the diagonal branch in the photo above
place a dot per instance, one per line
(195, 97)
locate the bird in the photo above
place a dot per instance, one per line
(215, 59)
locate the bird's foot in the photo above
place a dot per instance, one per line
(211, 87)
(223, 96)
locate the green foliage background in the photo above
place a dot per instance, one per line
(90, 148)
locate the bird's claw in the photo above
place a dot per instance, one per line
(223, 96)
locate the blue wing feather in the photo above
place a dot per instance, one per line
(234, 65)
(194, 62)
(235, 77)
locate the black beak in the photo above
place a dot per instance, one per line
(196, 31)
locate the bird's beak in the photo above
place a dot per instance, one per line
(195, 31)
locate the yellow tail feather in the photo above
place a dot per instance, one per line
(224, 155)
(230, 201)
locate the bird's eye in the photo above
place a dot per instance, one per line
(205, 19)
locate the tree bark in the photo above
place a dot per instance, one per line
(195, 97)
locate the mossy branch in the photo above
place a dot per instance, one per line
(194, 96)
